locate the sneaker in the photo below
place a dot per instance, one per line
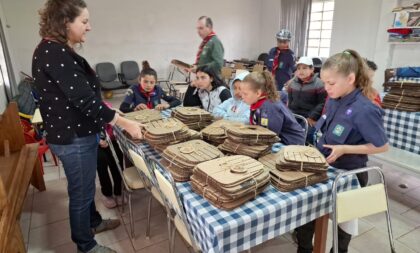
(109, 202)
(106, 225)
(99, 249)
(119, 199)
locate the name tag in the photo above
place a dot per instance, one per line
(264, 121)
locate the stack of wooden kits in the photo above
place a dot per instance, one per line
(162, 133)
(231, 181)
(195, 118)
(181, 158)
(17, 162)
(253, 141)
(216, 132)
(296, 167)
(142, 116)
(403, 93)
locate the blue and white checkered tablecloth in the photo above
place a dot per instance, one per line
(403, 129)
(271, 214)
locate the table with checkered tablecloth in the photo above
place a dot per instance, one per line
(271, 214)
(403, 129)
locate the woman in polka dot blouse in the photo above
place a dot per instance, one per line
(74, 113)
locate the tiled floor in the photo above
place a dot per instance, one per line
(45, 221)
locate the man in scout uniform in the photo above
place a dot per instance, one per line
(210, 51)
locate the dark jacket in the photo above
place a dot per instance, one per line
(278, 118)
(212, 55)
(286, 66)
(191, 97)
(351, 120)
(134, 97)
(69, 93)
(307, 99)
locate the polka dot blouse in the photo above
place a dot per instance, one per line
(69, 93)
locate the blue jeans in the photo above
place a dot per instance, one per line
(310, 138)
(79, 162)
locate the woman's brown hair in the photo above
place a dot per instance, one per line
(55, 15)
(263, 81)
(347, 62)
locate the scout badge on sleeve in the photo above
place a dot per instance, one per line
(195, 118)
(229, 182)
(180, 159)
(289, 180)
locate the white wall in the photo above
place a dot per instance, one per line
(270, 24)
(158, 31)
(366, 32)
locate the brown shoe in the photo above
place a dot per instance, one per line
(106, 225)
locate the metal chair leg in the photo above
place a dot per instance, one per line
(173, 239)
(169, 232)
(149, 210)
(123, 199)
(130, 211)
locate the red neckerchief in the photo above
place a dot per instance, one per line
(255, 106)
(148, 96)
(307, 80)
(203, 43)
(276, 59)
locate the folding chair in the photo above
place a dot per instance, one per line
(131, 181)
(149, 185)
(226, 73)
(359, 203)
(178, 80)
(175, 209)
(303, 122)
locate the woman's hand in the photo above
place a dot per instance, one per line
(311, 122)
(132, 127)
(140, 107)
(162, 107)
(103, 143)
(336, 152)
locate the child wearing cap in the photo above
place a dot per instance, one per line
(234, 108)
(306, 94)
(281, 59)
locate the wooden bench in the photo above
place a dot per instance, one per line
(17, 163)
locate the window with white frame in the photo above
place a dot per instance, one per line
(320, 26)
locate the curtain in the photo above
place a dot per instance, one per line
(294, 16)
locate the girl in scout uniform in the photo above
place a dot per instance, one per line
(351, 127)
(259, 91)
(146, 94)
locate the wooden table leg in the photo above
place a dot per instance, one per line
(321, 229)
(37, 179)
